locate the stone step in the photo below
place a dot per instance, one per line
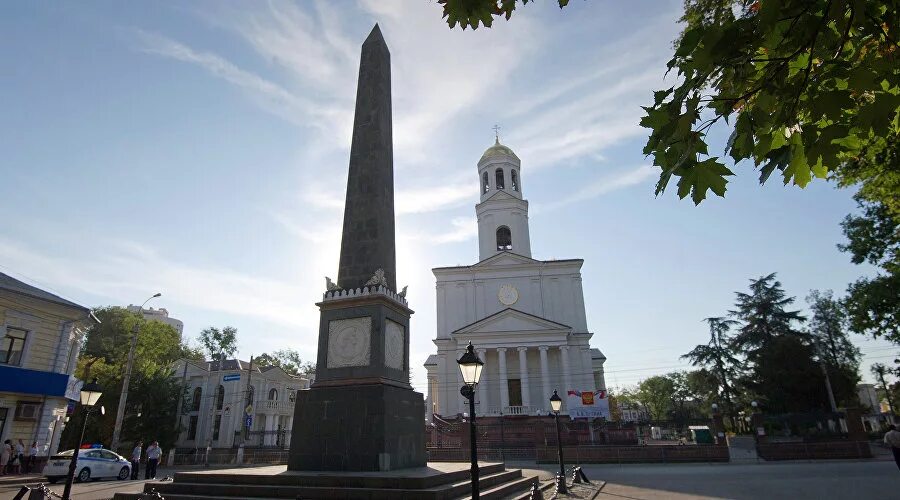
(342, 480)
(547, 489)
(507, 489)
(184, 491)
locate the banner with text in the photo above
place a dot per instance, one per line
(588, 404)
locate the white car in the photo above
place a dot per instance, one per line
(95, 463)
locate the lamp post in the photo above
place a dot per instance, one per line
(470, 366)
(90, 393)
(556, 405)
(123, 398)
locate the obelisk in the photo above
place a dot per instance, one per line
(361, 414)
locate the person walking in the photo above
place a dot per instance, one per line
(5, 455)
(136, 459)
(20, 457)
(892, 439)
(153, 454)
(32, 458)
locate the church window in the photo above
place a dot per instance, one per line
(499, 175)
(485, 183)
(515, 180)
(504, 238)
(220, 397)
(195, 401)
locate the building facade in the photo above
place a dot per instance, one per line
(526, 317)
(217, 403)
(161, 315)
(42, 335)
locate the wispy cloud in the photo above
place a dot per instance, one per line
(122, 265)
(601, 186)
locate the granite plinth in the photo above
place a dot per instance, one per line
(376, 427)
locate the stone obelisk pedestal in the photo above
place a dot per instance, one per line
(361, 414)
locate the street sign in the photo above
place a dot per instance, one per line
(231, 377)
(249, 421)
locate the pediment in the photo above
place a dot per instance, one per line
(512, 320)
(505, 259)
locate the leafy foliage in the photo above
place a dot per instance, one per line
(653, 395)
(718, 359)
(217, 342)
(880, 371)
(808, 84)
(763, 316)
(153, 391)
(786, 378)
(288, 360)
(873, 304)
(471, 13)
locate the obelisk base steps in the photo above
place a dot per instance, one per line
(376, 427)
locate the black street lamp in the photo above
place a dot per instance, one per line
(470, 366)
(90, 393)
(556, 405)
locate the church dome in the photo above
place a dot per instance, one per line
(497, 150)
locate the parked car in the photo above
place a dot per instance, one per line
(95, 463)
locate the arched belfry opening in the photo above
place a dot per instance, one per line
(504, 238)
(499, 175)
(514, 179)
(485, 183)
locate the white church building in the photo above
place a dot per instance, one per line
(524, 316)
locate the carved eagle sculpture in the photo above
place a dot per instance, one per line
(403, 292)
(330, 286)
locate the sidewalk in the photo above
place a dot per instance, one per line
(15, 479)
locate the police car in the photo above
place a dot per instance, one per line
(93, 463)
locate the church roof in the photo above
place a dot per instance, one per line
(509, 310)
(509, 256)
(497, 150)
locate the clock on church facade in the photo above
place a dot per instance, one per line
(526, 317)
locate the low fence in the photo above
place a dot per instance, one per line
(635, 454)
(230, 456)
(814, 451)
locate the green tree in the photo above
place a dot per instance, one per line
(716, 356)
(154, 391)
(705, 389)
(217, 342)
(288, 360)
(807, 84)
(873, 304)
(828, 330)
(654, 395)
(786, 378)
(763, 316)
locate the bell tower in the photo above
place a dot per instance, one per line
(502, 212)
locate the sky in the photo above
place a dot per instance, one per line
(200, 149)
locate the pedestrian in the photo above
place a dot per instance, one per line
(892, 439)
(20, 456)
(32, 458)
(153, 454)
(136, 459)
(5, 455)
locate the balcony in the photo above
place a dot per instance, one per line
(279, 407)
(515, 410)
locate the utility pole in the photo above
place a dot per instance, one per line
(245, 429)
(123, 398)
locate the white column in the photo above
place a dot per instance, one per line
(504, 385)
(523, 376)
(461, 404)
(270, 426)
(567, 377)
(483, 403)
(545, 376)
(589, 368)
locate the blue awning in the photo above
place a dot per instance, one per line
(13, 379)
